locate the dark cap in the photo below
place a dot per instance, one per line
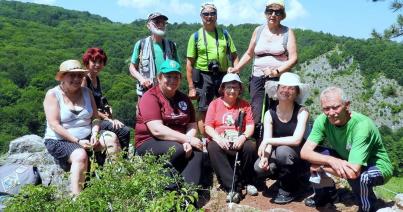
(153, 16)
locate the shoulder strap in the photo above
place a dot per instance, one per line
(226, 37)
(142, 41)
(259, 32)
(196, 39)
(285, 39)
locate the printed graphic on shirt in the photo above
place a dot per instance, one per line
(228, 119)
(183, 106)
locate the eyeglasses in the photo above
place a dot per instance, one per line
(276, 12)
(229, 88)
(205, 14)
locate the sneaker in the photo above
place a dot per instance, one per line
(251, 190)
(322, 197)
(234, 197)
(283, 198)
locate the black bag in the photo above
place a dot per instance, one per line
(195, 75)
(14, 176)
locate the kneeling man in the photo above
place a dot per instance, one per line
(356, 152)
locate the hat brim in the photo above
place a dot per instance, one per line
(59, 74)
(158, 16)
(271, 90)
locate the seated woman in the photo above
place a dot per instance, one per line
(69, 110)
(166, 119)
(284, 128)
(228, 136)
(94, 59)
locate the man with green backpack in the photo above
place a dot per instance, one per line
(210, 52)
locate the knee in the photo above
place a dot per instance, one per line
(285, 155)
(79, 156)
(249, 147)
(213, 147)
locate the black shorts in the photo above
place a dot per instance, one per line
(61, 151)
(207, 88)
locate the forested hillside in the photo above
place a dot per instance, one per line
(35, 39)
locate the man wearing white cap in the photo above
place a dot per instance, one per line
(150, 52)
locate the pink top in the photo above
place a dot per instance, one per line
(272, 44)
(223, 118)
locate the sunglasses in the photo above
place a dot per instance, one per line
(209, 14)
(276, 12)
(229, 88)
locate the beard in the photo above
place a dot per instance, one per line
(154, 30)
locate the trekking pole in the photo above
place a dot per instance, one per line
(239, 123)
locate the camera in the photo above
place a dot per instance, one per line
(105, 107)
(214, 66)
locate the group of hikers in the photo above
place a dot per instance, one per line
(246, 142)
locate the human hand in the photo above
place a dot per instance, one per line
(85, 143)
(188, 149)
(232, 70)
(94, 140)
(116, 124)
(264, 163)
(238, 143)
(146, 83)
(196, 143)
(261, 150)
(223, 143)
(192, 93)
(342, 168)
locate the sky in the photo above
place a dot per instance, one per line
(352, 18)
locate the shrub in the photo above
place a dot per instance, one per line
(135, 184)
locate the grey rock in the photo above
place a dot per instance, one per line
(30, 150)
(27, 143)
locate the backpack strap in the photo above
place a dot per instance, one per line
(226, 37)
(196, 39)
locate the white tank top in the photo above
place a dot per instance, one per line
(272, 44)
(77, 124)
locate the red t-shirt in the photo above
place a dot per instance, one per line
(175, 113)
(223, 118)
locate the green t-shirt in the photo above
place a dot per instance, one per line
(201, 60)
(158, 53)
(358, 142)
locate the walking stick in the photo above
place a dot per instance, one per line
(239, 124)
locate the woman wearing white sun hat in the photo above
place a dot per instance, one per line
(284, 129)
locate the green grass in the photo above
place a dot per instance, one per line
(394, 184)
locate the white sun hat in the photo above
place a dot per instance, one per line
(288, 79)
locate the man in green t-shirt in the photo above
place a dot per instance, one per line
(356, 152)
(210, 52)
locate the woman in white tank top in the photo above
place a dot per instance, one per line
(72, 126)
(274, 50)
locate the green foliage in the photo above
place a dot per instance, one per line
(393, 185)
(136, 184)
(388, 90)
(393, 141)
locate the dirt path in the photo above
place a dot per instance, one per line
(216, 202)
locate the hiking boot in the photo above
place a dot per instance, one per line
(234, 197)
(283, 197)
(322, 197)
(251, 190)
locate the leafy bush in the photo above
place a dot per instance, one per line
(136, 184)
(388, 90)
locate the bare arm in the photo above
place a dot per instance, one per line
(51, 107)
(296, 138)
(246, 57)
(162, 132)
(333, 165)
(189, 66)
(292, 53)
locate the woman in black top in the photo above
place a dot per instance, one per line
(94, 59)
(284, 128)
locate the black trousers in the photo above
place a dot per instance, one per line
(286, 168)
(223, 164)
(257, 92)
(190, 168)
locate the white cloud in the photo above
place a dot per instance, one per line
(296, 10)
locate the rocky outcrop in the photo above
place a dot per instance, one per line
(30, 150)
